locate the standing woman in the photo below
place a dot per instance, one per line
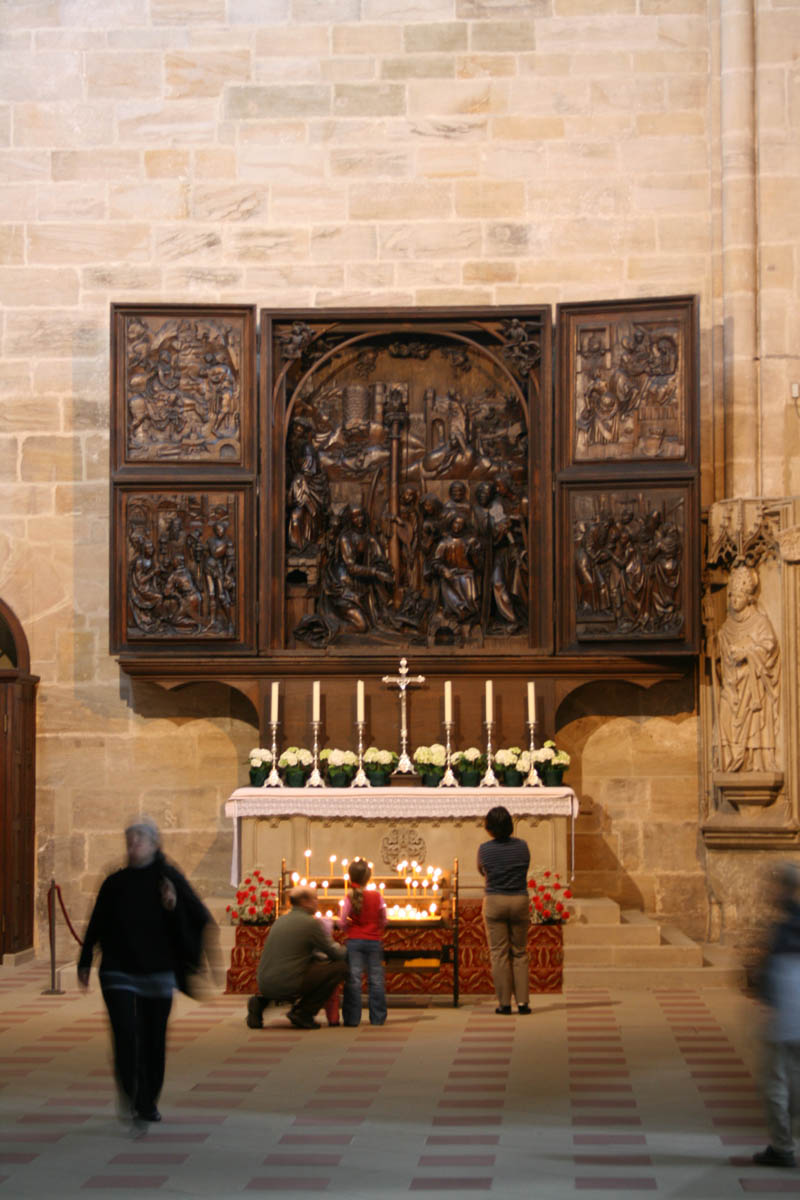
(150, 927)
(504, 863)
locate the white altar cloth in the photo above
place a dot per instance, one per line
(392, 803)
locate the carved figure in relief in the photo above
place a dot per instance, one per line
(406, 525)
(502, 589)
(144, 596)
(748, 667)
(309, 491)
(454, 564)
(182, 598)
(219, 576)
(354, 589)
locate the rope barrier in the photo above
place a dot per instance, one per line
(53, 891)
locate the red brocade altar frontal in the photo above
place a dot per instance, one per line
(545, 946)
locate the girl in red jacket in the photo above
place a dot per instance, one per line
(363, 919)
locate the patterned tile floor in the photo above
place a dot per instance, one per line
(596, 1092)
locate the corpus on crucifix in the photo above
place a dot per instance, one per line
(403, 681)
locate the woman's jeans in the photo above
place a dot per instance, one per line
(364, 956)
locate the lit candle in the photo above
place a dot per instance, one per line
(448, 703)
(360, 700)
(307, 857)
(325, 885)
(315, 701)
(273, 710)
(408, 884)
(332, 860)
(489, 704)
(295, 877)
(531, 704)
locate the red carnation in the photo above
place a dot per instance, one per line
(228, 908)
(547, 874)
(248, 880)
(559, 907)
(268, 882)
(556, 887)
(547, 914)
(567, 894)
(252, 910)
(565, 915)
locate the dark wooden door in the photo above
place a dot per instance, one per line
(17, 734)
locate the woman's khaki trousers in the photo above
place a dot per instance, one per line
(507, 919)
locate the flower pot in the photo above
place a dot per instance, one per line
(258, 776)
(469, 776)
(377, 778)
(294, 776)
(340, 779)
(550, 776)
(431, 779)
(513, 778)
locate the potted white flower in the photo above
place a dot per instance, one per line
(339, 765)
(295, 765)
(507, 768)
(551, 763)
(378, 765)
(469, 765)
(430, 761)
(260, 764)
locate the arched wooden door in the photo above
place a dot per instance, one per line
(17, 785)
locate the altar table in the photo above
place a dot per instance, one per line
(433, 806)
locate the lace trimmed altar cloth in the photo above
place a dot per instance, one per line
(396, 804)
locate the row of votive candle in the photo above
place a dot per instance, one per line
(448, 702)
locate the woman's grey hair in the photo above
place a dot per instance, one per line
(145, 826)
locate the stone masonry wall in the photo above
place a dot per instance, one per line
(343, 152)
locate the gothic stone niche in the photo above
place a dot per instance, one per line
(629, 551)
(627, 374)
(184, 381)
(183, 565)
(407, 468)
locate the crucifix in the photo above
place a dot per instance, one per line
(403, 681)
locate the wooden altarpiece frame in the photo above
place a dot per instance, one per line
(481, 506)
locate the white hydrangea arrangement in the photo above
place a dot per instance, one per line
(338, 758)
(508, 757)
(260, 757)
(559, 758)
(430, 756)
(380, 758)
(295, 756)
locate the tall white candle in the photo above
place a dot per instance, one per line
(315, 701)
(360, 700)
(489, 703)
(531, 704)
(273, 708)
(448, 702)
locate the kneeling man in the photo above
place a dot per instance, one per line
(300, 962)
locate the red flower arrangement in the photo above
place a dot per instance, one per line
(256, 901)
(548, 898)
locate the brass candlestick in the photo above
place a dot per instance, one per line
(489, 779)
(274, 779)
(532, 778)
(448, 779)
(360, 780)
(315, 780)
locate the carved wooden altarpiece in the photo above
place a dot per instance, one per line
(386, 483)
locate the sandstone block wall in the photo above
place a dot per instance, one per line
(362, 152)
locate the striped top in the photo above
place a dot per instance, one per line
(504, 863)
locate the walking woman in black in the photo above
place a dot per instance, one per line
(150, 927)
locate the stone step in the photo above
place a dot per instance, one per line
(646, 978)
(595, 910)
(633, 956)
(623, 934)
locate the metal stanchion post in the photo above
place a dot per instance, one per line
(51, 917)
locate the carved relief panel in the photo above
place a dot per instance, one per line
(183, 386)
(627, 578)
(184, 575)
(626, 375)
(626, 478)
(405, 461)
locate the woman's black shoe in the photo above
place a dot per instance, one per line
(524, 1010)
(505, 1009)
(152, 1114)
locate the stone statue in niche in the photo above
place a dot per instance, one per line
(400, 430)
(182, 389)
(747, 680)
(627, 567)
(628, 391)
(187, 587)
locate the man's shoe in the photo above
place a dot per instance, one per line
(255, 1007)
(774, 1158)
(150, 1114)
(302, 1022)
